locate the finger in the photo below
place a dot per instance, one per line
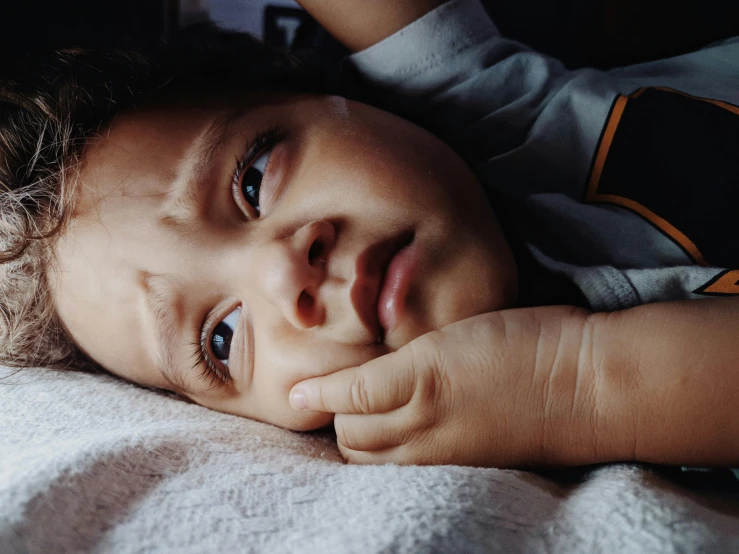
(371, 432)
(375, 457)
(401, 455)
(378, 386)
(417, 452)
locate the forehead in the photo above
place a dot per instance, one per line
(142, 155)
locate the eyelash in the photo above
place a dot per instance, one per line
(263, 140)
(211, 371)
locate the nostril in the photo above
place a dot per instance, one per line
(309, 314)
(305, 300)
(316, 250)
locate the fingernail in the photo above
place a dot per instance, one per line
(297, 399)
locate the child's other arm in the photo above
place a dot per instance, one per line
(359, 24)
(448, 69)
(667, 379)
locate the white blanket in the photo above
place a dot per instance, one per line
(89, 463)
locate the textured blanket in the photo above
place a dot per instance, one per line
(89, 463)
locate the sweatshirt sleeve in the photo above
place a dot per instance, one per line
(492, 99)
(516, 116)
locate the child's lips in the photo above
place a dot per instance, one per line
(372, 265)
(395, 285)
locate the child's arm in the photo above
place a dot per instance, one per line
(359, 24)
(548, 386)
(670, 373)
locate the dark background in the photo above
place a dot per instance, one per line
(28, 25)
(601, 33)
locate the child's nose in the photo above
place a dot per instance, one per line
(293, 269)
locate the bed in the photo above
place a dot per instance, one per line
(92, 464)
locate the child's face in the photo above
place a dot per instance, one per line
(163, 247)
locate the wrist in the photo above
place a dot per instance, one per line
(563, 385)
(596, 419)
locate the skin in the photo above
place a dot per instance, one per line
(345, 174)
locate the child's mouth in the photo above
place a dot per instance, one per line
(383, 275)
(395, 285)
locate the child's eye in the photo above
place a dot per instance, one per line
(220, 337)
(247, 179)
(251, 181)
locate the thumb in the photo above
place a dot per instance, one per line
(380, 385)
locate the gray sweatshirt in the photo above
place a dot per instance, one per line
(626, 182)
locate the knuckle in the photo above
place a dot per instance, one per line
(433, 383)
(342, 435)
(359, 395)
(323, 399)
(444, 393)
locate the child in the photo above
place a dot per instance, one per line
(338, 224)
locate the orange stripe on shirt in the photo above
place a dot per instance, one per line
(661, 223)
(605, 146)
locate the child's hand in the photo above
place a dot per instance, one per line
(498, 389)
(359, 24)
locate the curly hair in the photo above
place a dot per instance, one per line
(51, 106)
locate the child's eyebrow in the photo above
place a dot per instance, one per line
(184, 207)
(214, 137)
(159, 299)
